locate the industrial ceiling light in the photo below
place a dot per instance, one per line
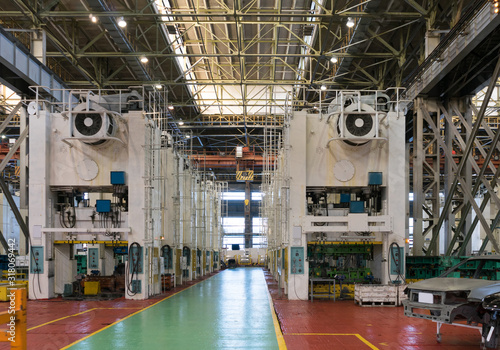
(323, 87)
(121, 22)
(171, 107)
(334, 59)
(181, 122)
(144, 59)
(350, 22)
(188, 136)
(159, 87)
(93, 18)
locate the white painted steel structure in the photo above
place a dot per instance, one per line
(163, 193)
(317, 156)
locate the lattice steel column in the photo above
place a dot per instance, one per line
(460, 244)
(426, 173)
(418, 183)
(463, 105)
(449, 222)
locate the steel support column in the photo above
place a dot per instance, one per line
(426, 173)
(467, 173)
(449, 222)
(248, 215)
(466, 152)
(23, 179)
(418, 184)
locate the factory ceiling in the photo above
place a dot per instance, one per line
(228, 67)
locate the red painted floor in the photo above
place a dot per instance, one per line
(306, 326)
(324, 324)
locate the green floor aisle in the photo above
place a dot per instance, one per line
(230, 310)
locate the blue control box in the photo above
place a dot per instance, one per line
(36, 260)
(297, 258)
(136, 257)
(375, 178)
(345, 198)
(93, 258)
(397, 260)
(118, 178)
(357, 207)
(120, 250)
(103, 206)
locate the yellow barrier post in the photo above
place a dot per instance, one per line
(15, 319)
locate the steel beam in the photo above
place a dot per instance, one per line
(451, 51)
(13, 206)
(3, 242)
(179, 16)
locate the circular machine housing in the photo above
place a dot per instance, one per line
(93, 125)
(355, 128)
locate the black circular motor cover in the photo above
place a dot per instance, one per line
(91, 129)
(359, 124)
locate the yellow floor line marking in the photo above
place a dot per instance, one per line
(128, 316)
(366, 342)
(277, 328)
(59, 319)
(354, 334)
(81, 313)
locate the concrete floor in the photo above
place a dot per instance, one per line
(231, 310)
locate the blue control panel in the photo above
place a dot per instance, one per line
(93, 259)
(136, 259)
(297, 259)
(136, 286)
(117, 177)
(36, 260)
(103, 205)
(397, 257)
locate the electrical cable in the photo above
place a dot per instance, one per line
(36, 268)
(397, 263)
(61, 219)
(129, 275)
(186, 252)
(295, 291)
(167, 255)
